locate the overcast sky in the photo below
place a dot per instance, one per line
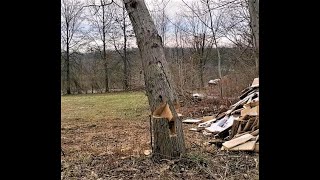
(173, 8)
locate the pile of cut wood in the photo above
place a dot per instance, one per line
(238, 127)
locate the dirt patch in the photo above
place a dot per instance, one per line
(108, 140)
(114, 150)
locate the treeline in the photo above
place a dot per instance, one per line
(215, 39)
(87, 72)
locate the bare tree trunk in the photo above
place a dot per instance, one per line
(105, 67)
(217, 48)
(159, 85)
(202, 60)
(68, 65)
(254, 23)
(125, 60)
(71, 18)
(104, 49)
(91, 88)
(163, 27)
(163, 144)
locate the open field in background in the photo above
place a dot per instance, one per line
(104, 136)
(99, 107)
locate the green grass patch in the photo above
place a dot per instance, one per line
(123, 105)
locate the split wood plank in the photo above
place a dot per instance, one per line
(234, 128)
(238, 111)
(239, 129)
(248, 146)
(255, 127)
(242, 101)
(255, 82)
(255, 133)
(238, 135)
(221, 115)
(255, 122)
(256, 148)
(191, 120)
(207, 124)
(239, 140)
(250, 111)
(253, 103)
(193, 129)
(249, 124)
(207, 118)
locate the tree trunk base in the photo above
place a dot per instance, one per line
(165, 139)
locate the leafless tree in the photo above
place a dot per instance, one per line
(160, 18)
(71, 19)
(159, 86)
(199, 38)
(210, 8)
(122, 28)
(254, 22)
(194, 46)
(100, 19)
(178, 47)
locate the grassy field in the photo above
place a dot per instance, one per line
(124, 106)
(104, 137)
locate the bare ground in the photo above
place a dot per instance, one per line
(113, 148)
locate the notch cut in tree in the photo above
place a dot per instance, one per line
(163, 112)
(162, 97)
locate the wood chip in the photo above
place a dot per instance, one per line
(193, 129)
(147, 152)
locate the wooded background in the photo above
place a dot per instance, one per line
(204, 40)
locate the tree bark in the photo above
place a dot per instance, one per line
(159, 86)
(104, 48)
(254, 23)
(68, 63)
(125, 59)
(163, 144)
(202, 59)
(68, 72)
(217, 48)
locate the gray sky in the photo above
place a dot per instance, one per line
(173, 7)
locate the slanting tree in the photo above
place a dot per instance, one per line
(168, 136)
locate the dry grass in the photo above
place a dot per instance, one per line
(124, 106)
(104, 136)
